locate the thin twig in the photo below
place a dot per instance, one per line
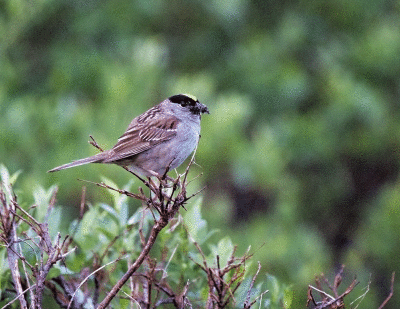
(18, 296)
(154, 233)
(246, 303)
(124, 192)
(322, 292)
(94, 143)
(390, 294)
(362, 296)
(92, 273)
(13, 264)
(83, 203)
(51, 204)
(26, 214)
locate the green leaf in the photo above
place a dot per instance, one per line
(121, 204)
(224, 250)
(5, 175)
(273, 287)
(195, 224)
(86, 235)
(135, 218)
(14, 177)
(3, 265)
(118, 198)
(7, 180)
(120, 201)
(42, 199)
(54, 221)
(123, 214)
(109, 210)
(288, 295)
(54, 272)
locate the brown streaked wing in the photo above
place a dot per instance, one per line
(142, 134)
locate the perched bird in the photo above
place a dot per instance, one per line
(164, 136)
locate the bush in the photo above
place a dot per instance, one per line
(112, 256)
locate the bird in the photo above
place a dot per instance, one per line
(159, 139)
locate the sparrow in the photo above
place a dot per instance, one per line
(160, 138)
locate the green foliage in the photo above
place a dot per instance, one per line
(108, 236)
(281, 296)
(196, 226)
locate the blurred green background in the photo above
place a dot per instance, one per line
(300, 153)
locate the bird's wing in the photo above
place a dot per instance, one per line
(144, 132)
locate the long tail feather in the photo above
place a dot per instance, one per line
(93, 159)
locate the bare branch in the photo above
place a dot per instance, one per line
(390, 294)
(83, 203)
(18, 296)
(322, 292)
(51, 204)
(94, 143)
(247, 302)
(334, 301)
(92, 273)
(124, 192)
(361, 297)
(11, 240)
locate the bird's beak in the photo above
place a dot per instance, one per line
(203, 108)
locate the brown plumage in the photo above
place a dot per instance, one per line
(147, 144)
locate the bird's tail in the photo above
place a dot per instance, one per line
(93, 159)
